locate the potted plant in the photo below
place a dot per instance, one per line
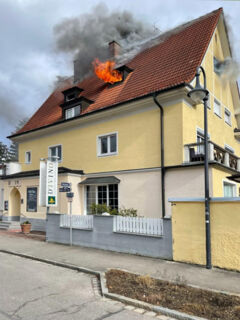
(26, 227)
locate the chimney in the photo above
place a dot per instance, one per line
(114, 49)
(76, 70)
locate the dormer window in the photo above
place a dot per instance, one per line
(72, 112)
(71, 93)
(70, 97)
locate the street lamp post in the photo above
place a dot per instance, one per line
(199, 94)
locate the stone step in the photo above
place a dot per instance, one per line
(10, 225)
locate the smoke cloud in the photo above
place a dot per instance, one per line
(86, 37)
(227, 69)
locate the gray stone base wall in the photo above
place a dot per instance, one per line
(37, 224)
(103, 237)
(10, 218)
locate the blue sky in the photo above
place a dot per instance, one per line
(29, 60)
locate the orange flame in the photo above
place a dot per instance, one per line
(106, 72)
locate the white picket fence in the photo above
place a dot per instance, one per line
(145, 226)
(78, 222)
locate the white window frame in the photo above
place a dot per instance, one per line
(99, 154)
(73, 115)
(232, 184)
(53, 146)
(96, 193)
(26, 157)
(230, 115)
(216, 101)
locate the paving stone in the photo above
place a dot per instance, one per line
(139, 310)
(162, 317)
(129, 307)
(150, 314)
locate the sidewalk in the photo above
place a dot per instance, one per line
(100, 260)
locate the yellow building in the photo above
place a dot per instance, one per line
(136, 142)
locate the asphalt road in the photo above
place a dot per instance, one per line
(31, 290)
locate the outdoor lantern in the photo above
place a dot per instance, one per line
(198, 94)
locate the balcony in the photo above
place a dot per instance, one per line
(194, 152)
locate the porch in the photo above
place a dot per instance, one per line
(194, 152)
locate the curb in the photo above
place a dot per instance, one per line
(104, 289)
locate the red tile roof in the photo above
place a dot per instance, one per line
(173, 61)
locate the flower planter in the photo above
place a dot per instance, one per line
(26, 228)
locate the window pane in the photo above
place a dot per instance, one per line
(113, 196)
(228, 190)
(102, 194)
(113, 143)
(69, 113)
(104, 148)
(91, 197)
(53, 152)
(76, 111)
(217, 108)
(59, 153)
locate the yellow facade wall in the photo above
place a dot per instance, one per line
(218, 177)
(220, 132)
(188, 229)
(138, 142)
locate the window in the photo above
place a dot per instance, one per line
(227, 116)
(102, 194)
(217, 66)
(70, 96)
(32, 199)
(229, 189)
(55, 151)
(72, 112)
(107, 144)
(28, 157)
(217, 108)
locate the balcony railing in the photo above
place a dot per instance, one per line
(194, 152)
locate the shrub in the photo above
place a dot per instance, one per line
(128, 212)
(101, 208)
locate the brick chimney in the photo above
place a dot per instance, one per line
(76, 73)
(114, 49)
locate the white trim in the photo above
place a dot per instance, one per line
(28, 162)
(230, 183)
(107, 135)
(53, 146)
(229, 147)
(201, 131)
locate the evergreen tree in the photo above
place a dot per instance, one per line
(4, 153)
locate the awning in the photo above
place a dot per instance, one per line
(235, 177)
(101, 180)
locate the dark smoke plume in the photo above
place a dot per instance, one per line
(86, 37)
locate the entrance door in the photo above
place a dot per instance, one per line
(14, 205)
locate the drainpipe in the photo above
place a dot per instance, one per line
(162, 153)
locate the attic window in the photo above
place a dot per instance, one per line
(216, 64)
(72, 112)
(124, 70)
(70, 96)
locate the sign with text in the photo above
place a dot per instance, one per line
(64, 189)
(32, 199)
(66, 184)
(48, 183)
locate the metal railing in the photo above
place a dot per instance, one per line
(195, 152)
(78, 222)
(144, 226)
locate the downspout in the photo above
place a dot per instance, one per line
(162, 153)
